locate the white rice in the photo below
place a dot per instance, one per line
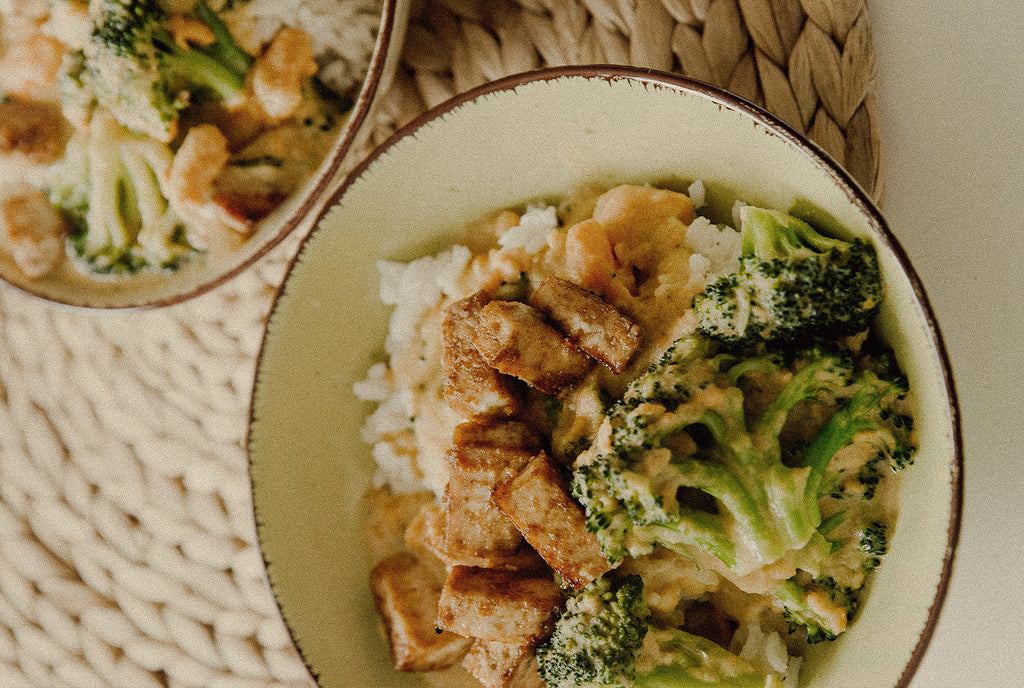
(413, 288)
(409, 386)
(531, 234)
(408, 461)
(766, 650)
(344, 32)
(716, 248)
(696, 192)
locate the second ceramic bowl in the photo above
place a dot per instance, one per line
(505, 144)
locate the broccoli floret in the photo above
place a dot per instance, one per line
(110, 190)
(140, 73)
(869, 409)
(820, 606)
(794, 283)
(604, 637)
(893, 454)
(77, 98)
(682, 426)
(630, 487)
(873, 543)
(597, 637)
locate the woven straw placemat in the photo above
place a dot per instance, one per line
(128, 552)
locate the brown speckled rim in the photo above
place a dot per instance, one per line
(772, 125)
(389, 32)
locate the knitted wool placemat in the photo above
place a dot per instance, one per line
(128, 553)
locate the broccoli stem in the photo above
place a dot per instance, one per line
(105, 217)
(770, 234)
(840, 429)
(685, 660)
(225, 48)
(199, 68)
(822, 607)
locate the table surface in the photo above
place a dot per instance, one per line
(951, 100)
(951, 92)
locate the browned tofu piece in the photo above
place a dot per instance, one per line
(406, 594)
(34, 232)
(34, 130)
(474, 526)
(425, 532)
(498, 605)
(514, 339)
(498, 664)
(472, 388)
(491, 452)
(426, 535)
(537, 501)
(385, 516)
(588, 321)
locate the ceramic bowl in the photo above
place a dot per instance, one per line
(67, 286)
(504, 144)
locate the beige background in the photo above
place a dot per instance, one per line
(951, 99)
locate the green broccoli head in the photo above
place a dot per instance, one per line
(604, 638)
(681, 463)
(682, 428)
(597, 638)
(819, 606)
(873, 543)
(138, 71)
(794, 283)
(126, 27)
(111, 191)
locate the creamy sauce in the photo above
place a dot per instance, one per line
(640, 259)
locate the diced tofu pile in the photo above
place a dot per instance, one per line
(485, 569)
(525, 351)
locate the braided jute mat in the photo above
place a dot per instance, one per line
(128, 553)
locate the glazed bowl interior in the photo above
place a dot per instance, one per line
(556, 129)
(217, 265)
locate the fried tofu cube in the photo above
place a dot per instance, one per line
(426, 534)
(34, 232)
(498, 664)
(34, 130)
(514, 339)
(537, 501)
(280, 72)
(472, 388)
(406, 594)
(386, 516)
(491, 452)
(474, 526)
(29, 65)
(498, 605)
(588, 321)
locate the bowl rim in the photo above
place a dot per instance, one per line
(391, 15)
(773, 125)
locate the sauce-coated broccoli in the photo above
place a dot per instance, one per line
(597, 637)
(874, 543)
(820, 606)
(110, 190)
(794, 283)
(605, 638)
(683, 426)
(138, 71)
